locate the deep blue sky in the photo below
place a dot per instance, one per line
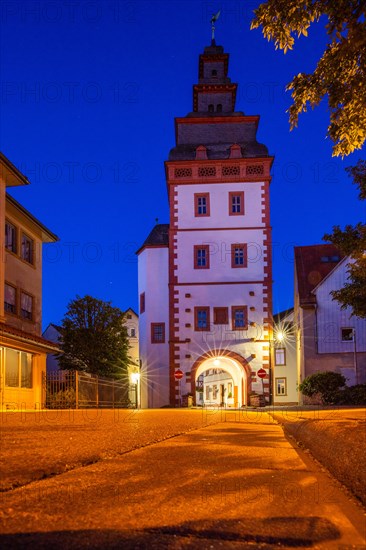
(89, 92)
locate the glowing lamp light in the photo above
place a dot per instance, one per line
(135, 377)
(216, 362)
(280, 336)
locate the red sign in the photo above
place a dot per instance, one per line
(261, 373)
(178, 375)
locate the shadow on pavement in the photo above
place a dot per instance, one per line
(268, 532)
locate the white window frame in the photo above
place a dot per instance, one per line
(284, 386)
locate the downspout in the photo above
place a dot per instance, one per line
(316, 330)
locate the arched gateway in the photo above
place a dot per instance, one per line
(205, 280)
(234, 364)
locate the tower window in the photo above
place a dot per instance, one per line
(157, 333)
(201, 256)
(211, 108)
(239, 317)
(214, 72)
(219, 108)
(201, 204)
(236, 203)
(142, 302)
(201, 318)
(239, 256)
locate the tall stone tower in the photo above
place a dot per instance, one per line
(216, 294)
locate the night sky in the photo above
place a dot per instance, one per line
(89, 92)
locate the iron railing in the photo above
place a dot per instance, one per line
(74, 390)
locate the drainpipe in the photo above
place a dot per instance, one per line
(316, 330)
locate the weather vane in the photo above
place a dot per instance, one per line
(214, 18)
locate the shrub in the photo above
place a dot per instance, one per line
(353, 395)
(327, 384)
(63, 399)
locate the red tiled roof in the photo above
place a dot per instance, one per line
(27, 336)
(312, 264)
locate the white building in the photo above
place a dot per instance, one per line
(328, 338)
(284, 371)
(132, 326)
(205, 280)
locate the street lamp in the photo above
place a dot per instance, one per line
(279, 337)
(135, 379)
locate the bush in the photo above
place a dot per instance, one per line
(63, 399)
(353, 395)
(327, 384)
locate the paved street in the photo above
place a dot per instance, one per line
(167, 479)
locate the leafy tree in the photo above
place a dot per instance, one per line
(94, 338)
(327, 384)
(340, 74)
(352, 241)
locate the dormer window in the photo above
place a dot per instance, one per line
(211, 108)
(219, 108)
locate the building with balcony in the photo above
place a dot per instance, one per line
(23, 350)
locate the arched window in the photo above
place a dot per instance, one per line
(219, 108)
(211, 108)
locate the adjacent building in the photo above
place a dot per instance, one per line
(205, 279)
(328, 338)
(283, 357)
(23, 350)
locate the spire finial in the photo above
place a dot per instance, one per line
(214, 18)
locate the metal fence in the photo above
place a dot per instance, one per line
(74, 390)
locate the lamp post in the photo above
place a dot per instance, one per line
(135, 379)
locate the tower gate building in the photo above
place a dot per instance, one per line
(205, 279)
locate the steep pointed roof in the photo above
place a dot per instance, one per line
(158, 237)
(312, 264)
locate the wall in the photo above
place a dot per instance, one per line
(25, 276)
(153, 281)
(221, 285)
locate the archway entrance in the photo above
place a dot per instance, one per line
(221, 378)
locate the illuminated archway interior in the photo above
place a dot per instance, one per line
(234, 370)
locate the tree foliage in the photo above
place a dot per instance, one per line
(94, 338)
(327, 384)
(340, 74)
(352, 241)
(331, 387)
